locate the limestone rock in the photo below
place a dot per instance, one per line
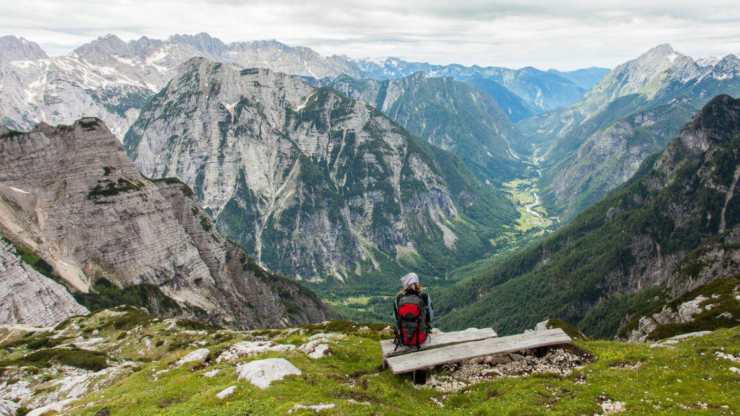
(8, 408)
(315, 349)
(71, 195)
(316, 183)
(197, 356)
(249, 348)
(318, 408)
(212, 373)
(28, 296)
(262, 373)
(610, 407)
(112, 79)
(228, 391)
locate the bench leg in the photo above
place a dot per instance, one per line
(420, 376)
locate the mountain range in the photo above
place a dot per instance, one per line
(633, 112)
(111, 79)
(312, 182)
(229, 165)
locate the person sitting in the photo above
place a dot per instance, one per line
(413, 312)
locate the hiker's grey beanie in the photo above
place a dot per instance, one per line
(409, 279)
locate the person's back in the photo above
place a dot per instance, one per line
(413, 313)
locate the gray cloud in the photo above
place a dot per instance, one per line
(561, 34)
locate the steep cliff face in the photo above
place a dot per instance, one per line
(30, 298)
(611, 156)
(674, 227)
(449, 114)
(315, 184)
(71, 195)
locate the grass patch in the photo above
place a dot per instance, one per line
(74, 357)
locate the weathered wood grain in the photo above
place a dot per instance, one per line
(458, 352)
(438, 340)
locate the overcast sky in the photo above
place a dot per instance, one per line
(545, 34)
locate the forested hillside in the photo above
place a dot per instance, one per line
(673, 227)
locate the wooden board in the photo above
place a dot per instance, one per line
(438, 340)
(458, 352)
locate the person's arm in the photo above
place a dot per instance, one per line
(430, 312)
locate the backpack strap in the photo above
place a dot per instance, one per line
(397, 330)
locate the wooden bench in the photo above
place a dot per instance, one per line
(464, 349)
(438, 340)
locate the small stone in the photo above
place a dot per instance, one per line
(248, 348)
(228, 391)
(315, 407)
(610, 407)
(198, 356)
(729, 357)
(211, 374)
(262, 373)
(8, 408)
(103, 412)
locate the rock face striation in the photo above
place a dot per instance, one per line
(71, 195)
(312, 182)
(30, 298)
(672, 228)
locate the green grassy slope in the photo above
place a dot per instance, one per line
(684, 379)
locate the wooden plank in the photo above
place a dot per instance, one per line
(459, 352)
(438, 340)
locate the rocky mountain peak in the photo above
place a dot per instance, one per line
(645, 75)
(145, 45)
(664, 50)
(103, 46)
(14, 48)
(202, 42)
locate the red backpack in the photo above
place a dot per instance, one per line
(412, 320)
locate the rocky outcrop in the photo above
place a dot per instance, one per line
(71, 195)
(706, 308)
(29, 297)
(311, 182)
(262, 373)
